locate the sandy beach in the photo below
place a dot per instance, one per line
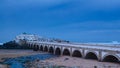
(59, 61)
(79, 62)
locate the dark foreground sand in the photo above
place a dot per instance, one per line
(14, 53)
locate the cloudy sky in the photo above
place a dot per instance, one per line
(74, 20)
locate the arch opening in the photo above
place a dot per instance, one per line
(51, 50)
(91, 55)
(77, 53)
(28, 45)
(36, 48)
(111, 58)
(46, 49)
(41, 48)
(57, 51)
(66, 52)
(32, 46)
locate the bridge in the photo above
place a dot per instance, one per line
(102, 53)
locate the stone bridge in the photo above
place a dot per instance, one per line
(87, 51)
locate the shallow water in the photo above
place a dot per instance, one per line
(19, 62)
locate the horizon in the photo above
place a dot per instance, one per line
(76, 21)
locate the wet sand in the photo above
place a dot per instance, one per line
(4, 53)
(82, 63)
(16, 53)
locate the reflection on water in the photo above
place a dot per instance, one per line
(20, 61)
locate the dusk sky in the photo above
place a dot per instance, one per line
(74, 20)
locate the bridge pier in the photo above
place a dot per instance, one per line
(61, 51)
(54, 49)
(71, 52)
(83, 53)
(48, 48)
(100, 56)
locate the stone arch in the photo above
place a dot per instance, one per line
(66, 52)
(91, 55)
(111, 58)
(51, 50)
(36, 48)
(41, 48)
(76, 53)
(46, 49)
(57, 51)
(29, 46)
(32, 46)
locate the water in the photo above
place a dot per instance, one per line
(19, 62)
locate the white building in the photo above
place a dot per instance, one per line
(26, 37)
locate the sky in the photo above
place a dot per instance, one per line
(73, 20)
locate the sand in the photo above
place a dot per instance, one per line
(60, 61)
(15, 53)
(4, 66)
(80, 62)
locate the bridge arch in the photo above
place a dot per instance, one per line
(57, 51)
(111, 58)
(46, 49)
(76, 53)
(91, 55)
(66, 52)
(32, 46)
(36, 48)
(29, 45)
(51, 50)
(41, 47)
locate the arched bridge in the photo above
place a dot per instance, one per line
(88, 51)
